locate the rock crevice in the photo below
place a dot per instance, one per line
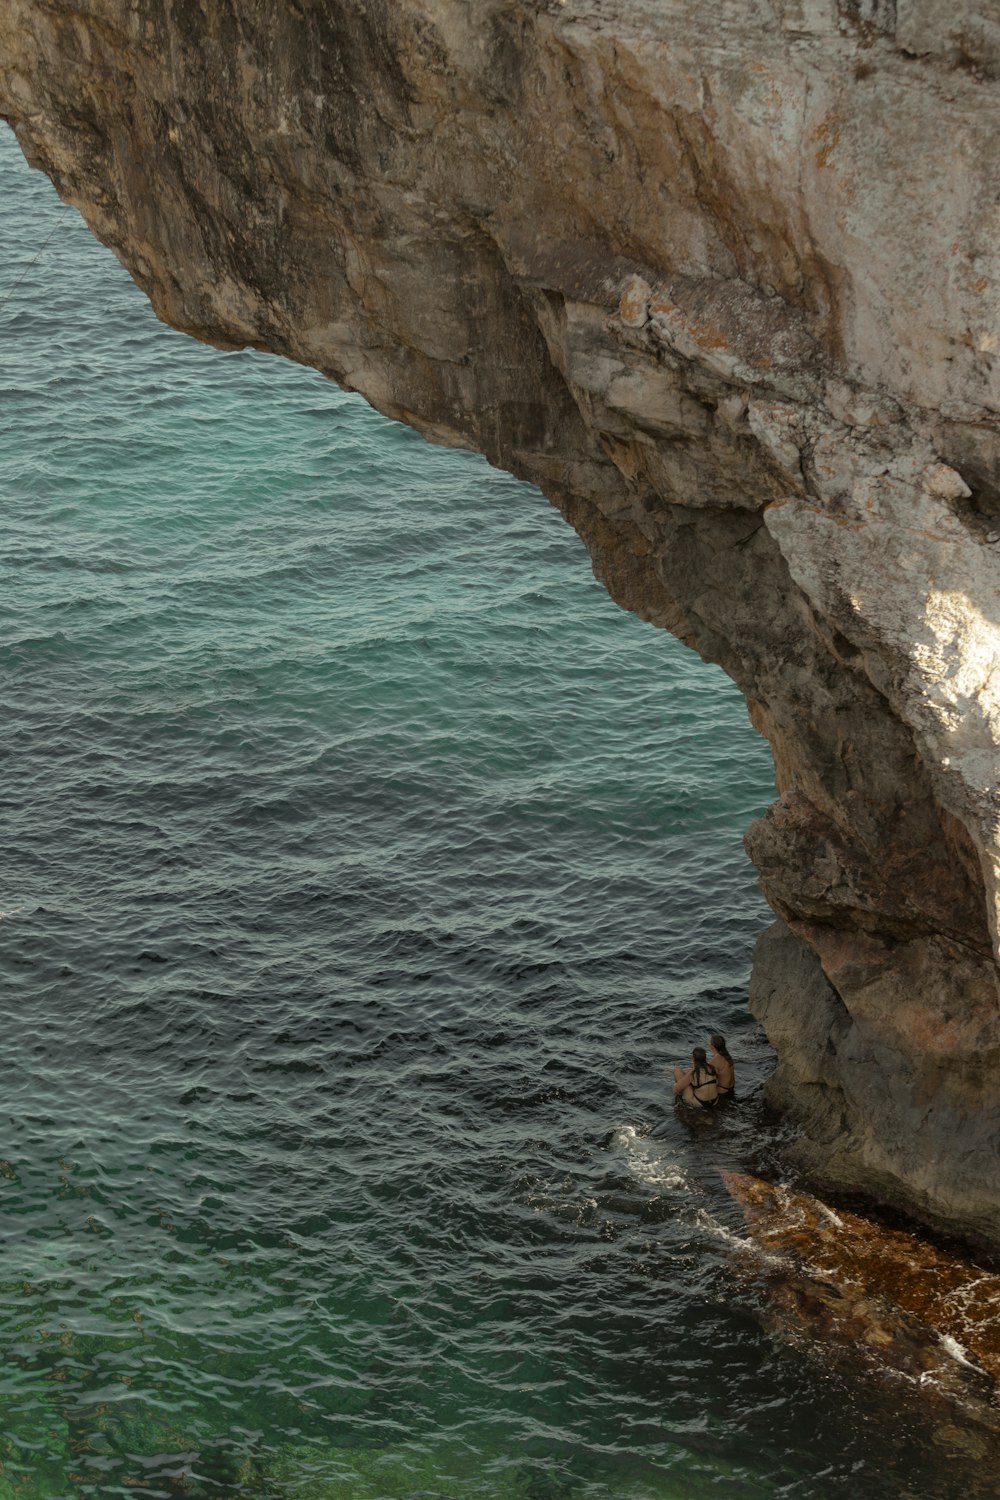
(723, 280)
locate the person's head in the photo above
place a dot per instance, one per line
(700, 1057)
(719, 1043)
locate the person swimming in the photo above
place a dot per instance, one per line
(722, 1064)
(697, 1087)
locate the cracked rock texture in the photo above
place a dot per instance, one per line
(723, 279)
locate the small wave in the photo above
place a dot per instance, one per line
(960, 1355)
(650, 1161)
(743, 1244)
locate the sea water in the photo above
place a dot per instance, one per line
(364, 871)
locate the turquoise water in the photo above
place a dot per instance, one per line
(363, 869)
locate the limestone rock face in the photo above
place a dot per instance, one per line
(723, 278)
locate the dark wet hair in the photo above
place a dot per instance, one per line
(702, 1066)
(719, 1043)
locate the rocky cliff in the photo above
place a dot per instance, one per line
(723, 279)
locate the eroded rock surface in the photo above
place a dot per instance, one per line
(722, 278)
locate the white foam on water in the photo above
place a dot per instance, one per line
(974, 1294)
(742, 1243)
(649, 1160)
(955, 1349)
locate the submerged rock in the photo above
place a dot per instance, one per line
(849, 1287)
(724, 281)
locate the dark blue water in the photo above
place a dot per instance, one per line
(363, 870)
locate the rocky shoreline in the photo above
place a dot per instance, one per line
(724, 281)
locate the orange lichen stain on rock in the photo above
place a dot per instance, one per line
(982, 283)
(709, 336)
(848, 523)
(633, 305)
(827, 137)
(849, 1280)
